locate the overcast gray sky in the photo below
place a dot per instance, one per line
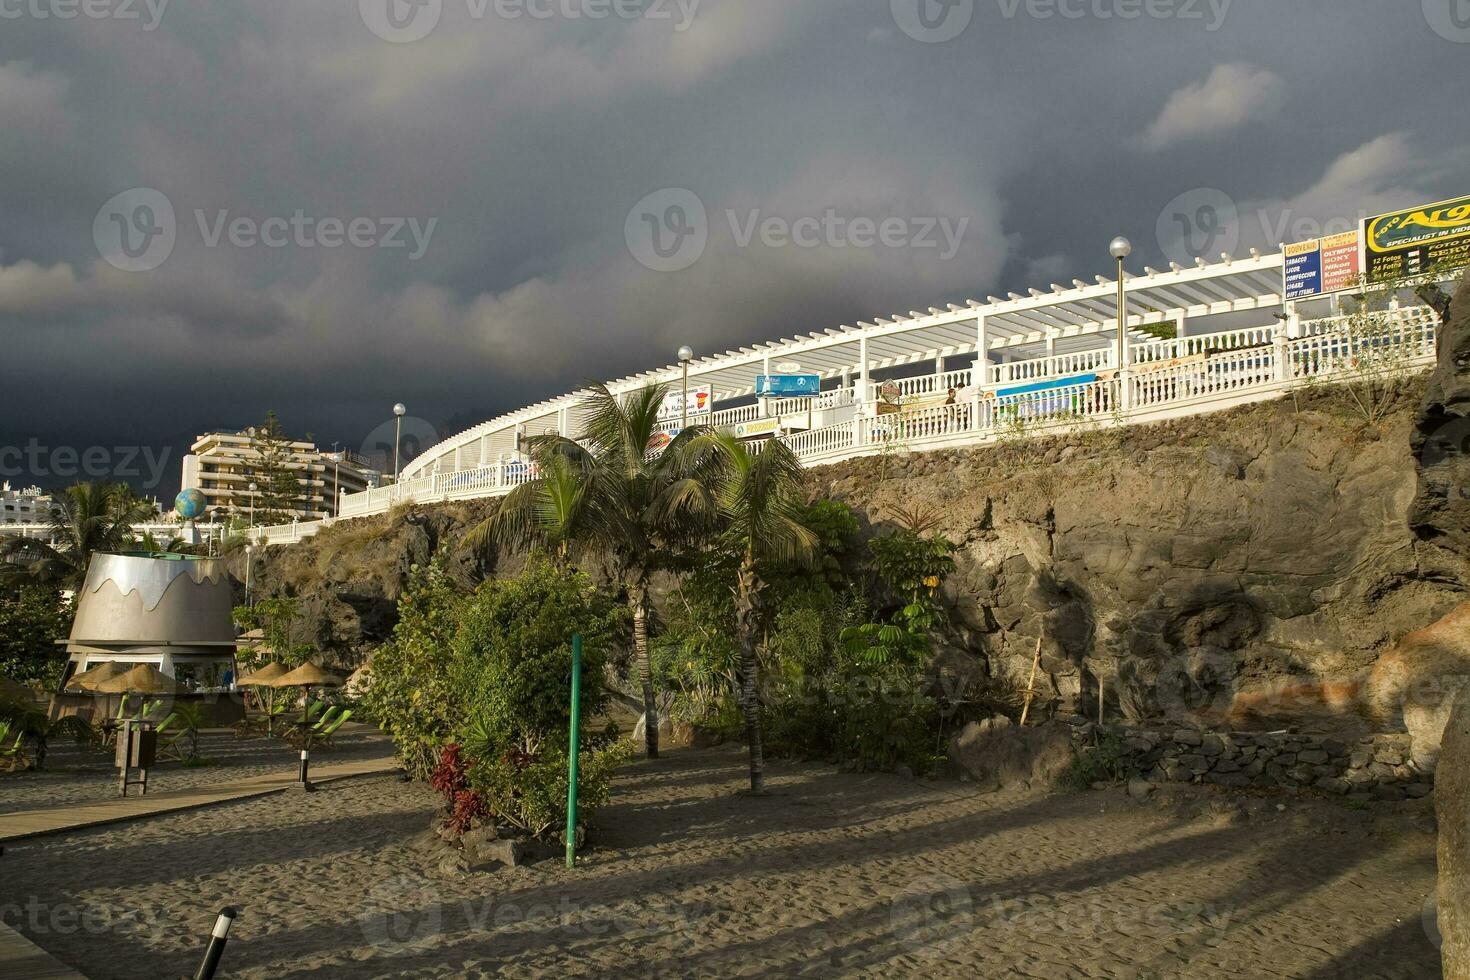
(438, 201)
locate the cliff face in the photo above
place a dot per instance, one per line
(1185, 564)
(1441, 439)
(1189, 566)
(348, 577)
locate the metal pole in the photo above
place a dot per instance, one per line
(572, 750)
(684, 404)
(217, 940)
(1122, 318)
(397, 440)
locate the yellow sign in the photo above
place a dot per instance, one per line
(760, 427)
(1407, 243)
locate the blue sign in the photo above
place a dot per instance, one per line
(1303, 269)
(789, 385)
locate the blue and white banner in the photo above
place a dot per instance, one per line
(789, 385)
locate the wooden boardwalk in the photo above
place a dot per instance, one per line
(59, 819)
(20, 959)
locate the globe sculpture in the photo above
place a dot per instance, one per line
(189, 504)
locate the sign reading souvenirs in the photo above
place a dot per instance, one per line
(789, 385)
(1419, 240)
(1303, 269)
(700, 400)
(1322, 265)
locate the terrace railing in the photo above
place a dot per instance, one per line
(1183, 376)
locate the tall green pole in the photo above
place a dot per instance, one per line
(572, 753)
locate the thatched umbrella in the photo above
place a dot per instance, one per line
(306, 677)
(263, 678)
(102, 672)
(142, 679)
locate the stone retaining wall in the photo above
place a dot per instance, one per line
(1375, 767)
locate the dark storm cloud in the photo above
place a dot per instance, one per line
(297, 149)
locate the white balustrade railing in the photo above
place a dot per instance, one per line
(1250, 363)
(836, 398)
(1167, 350)
(1057, 366)
(931, 384)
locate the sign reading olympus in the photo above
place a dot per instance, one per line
(1322, 265)
(1419, 240)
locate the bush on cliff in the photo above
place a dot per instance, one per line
(839, 682)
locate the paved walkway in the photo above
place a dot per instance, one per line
(55, 820)
(20, 959)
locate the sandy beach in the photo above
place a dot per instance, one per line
(833, 874)
(84, 774)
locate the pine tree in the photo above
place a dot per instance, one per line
(279, 495)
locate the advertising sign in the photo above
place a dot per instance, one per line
(760, 427)
(700, 402)
(1303, 269)
(789, 385)
(1322, 265)
(1407, 243)
(1342, 264)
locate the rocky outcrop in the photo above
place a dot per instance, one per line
(349, 576)
(1414, 685)
(1441, 441)
(1249, 563)
(1452, 808)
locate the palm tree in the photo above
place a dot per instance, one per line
(35, 724)
(759, 499)
(610, 493)
(90, 517)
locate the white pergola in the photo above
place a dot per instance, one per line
(1057, 321)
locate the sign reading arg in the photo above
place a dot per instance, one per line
(1433, 237)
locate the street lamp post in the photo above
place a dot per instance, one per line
(1121, 248)
(686, 354)
(252, 508)
(398, 412)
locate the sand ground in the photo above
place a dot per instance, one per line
(85, 774)
(833, 875)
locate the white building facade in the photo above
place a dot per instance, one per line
(31, 505)
(222, 466)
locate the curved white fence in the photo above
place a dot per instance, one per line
(1168, 378)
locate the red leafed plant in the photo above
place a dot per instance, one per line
(469, 806)
(449, 776)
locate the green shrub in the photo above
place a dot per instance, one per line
(1108, 761)
(490, 673)
(513, 655)
(413, 696)
(529, 791)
